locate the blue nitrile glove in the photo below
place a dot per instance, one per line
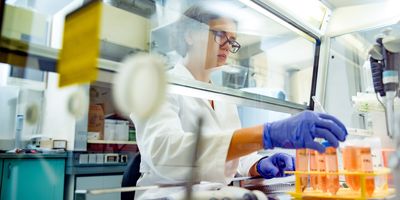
(300, 130)
(275, 165)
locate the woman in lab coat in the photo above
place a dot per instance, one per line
(167, 140)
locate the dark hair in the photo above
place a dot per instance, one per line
(199, 12)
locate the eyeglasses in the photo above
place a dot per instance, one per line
(221, 39)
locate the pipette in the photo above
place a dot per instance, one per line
(318, 105)
(321, 109)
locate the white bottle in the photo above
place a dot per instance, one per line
(19, 124)
(109, 129)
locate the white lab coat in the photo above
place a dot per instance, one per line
(167, 142)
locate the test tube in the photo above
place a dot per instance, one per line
(366, 166)
(321, 168)
(331, 160)
(386, 153)
(313, 168)
(351, 164)
(302, 165)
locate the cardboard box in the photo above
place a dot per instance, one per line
(96, 120)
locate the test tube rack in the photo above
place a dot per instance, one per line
(342, 193)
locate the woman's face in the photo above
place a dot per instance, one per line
(223, 29)
(207, 50)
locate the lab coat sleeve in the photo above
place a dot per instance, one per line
(246, 162)
(169, 151)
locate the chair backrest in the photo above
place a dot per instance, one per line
(130, 177)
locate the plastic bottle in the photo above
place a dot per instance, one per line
(332, 181)
(351, 164)
(366, 166)
(302, 165)
(313, 168)
(321, 168)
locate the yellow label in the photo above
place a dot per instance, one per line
(78, 57)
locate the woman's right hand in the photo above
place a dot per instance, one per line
(299, 131)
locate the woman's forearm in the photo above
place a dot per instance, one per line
(245, 141)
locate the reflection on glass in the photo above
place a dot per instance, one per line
(271, 56)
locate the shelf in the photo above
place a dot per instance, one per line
(110, 142)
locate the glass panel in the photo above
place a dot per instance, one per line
(350, 93)
(234, 46)
(254, 53)
(261, 65)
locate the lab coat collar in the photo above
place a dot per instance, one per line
(180, 70)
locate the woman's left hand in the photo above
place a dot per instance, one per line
(275, 165)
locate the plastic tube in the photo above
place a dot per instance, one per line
(313, 168)
(377, 160)
(332, 181)
(366, 166)
(351, 164)
(302, 165)
(321, 168)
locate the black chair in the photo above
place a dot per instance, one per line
(130, 177)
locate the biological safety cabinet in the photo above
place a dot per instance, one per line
(285, 58)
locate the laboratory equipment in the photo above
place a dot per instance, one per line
(332, 180)
(234, 76)
(19, 124)
(302, 165)
(386, 154)
(60, 144)
(350, 163)
(366, 166)
(377, 160)
(322, 169)
(78, 102)
(226, 192)
(342, 192)
(385, 64)
(313, 168)
(328, 174)
(140, 84)
(32, 114)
